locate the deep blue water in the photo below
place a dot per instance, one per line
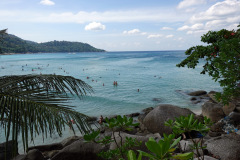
(154, 73)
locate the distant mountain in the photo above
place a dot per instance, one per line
(14, 44)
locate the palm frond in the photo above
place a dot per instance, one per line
(34, 104)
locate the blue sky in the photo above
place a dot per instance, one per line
(126, 25)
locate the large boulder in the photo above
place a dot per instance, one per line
(213, 111)
(34, 154)
(226, 147)
(228, 108)
(143, 139)
(48, 147)
(197, 93)
(154, 120)
(80, 150)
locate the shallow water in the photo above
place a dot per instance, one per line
(154, 73)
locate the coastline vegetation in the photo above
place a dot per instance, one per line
(222, 57)
(14, 44)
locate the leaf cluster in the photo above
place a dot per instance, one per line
(31, 105)
(161, 150)
(121, 123)
(222, 60)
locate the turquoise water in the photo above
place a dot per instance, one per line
(154, 73)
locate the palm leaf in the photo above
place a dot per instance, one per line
(36, 104)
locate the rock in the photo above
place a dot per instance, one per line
(80, 150)
(133, 114)
(141, 117)
(142, 147)
(214, 134)
(197, 93)
(34, 154)
(50, 154)
(186, 145)
(212, 92)
(206, 158)
(147, 110)
(217, 127)
(154, 120)
(48, 147)
(196, 102)
(193, 99)
(156, 99)
(235, 118)
(7, 152)
(92, 119)
(69, 141)
(213, 111)
(237, 109)
(226, 147)
(156, 136)
(229, 108)
(20, 157)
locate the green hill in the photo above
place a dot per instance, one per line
(14, 44)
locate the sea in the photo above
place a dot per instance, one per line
(145, 79)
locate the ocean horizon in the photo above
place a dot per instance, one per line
(145, 79)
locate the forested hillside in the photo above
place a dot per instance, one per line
(14, 44)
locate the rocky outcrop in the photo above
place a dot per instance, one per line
(228, 108)
(80, 150)
(154, 120)
(213, 111)
(34, 154)
(226, 147)
(197, 93)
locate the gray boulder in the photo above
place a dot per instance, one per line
(197, 93)
(226, 147)
(138, 138)
(213, 111)
(48, 147)
(154, 120)
(69, 140)
(235, 118)
(207, 158)
(34, 154)
(228, 108)
(80, 150)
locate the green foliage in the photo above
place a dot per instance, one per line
(124, 123)
(185, 125)
(161, 150)
(120, 123)
(14, 44)
(36, 104)
(222, 60)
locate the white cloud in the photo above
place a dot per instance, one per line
(166, 28)
(138, 15)
(185, 27)
(189, 3)
(47, 2)
(225, 14)
(169, 36)
(219, 15)
(155, 36)
(95, 26)
(133, 31)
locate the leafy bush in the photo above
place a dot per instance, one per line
(222, 60)
(120, 123)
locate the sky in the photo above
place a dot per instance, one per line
(124, 25)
